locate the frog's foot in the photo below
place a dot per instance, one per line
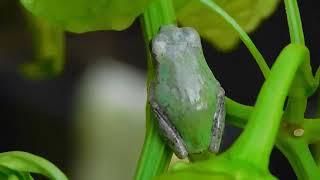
(218, 123)
(172, 136)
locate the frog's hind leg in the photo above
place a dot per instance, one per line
(172, 136)
(218, 122)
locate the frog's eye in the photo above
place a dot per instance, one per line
(191, 36)
(159, 45)
(160, 48)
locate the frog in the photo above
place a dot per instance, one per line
(185, 97)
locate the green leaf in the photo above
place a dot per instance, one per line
(87, 15)
(21, 163)
(212, 27)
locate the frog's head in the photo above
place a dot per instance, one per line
(172, 41)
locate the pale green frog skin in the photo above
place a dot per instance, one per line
(185, 96)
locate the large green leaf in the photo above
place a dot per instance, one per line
(212, 27)
(87, 15)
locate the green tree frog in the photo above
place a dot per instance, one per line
(184, 95)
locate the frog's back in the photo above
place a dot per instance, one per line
(184, 87)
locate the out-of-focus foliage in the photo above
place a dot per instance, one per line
(19, 165)
(88, 15)
(110, 121)
(248, 13)
(48, 48)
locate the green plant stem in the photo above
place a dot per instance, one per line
(303, 86)
(156, 155)
(243, 36)
(315, 148)
(297, 152)
(23, 162)
(6, 173)
(297, 36)
(295, 109)
(311, 130)
(294, 22)
(237, 114)
(317, 76)
(257, 140)
(296, 105)
(316, 153)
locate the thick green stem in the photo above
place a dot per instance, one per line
(23, 162)
(294, 22)
(256, 142)
(297, 102)
(237, 114)
(311, 131)
(298, 153)
(316, 153)
(156, 155)
(295, 109)
(315, 148)
(303, 86)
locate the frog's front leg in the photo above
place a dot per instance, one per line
(219, 122)
(170, 133)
